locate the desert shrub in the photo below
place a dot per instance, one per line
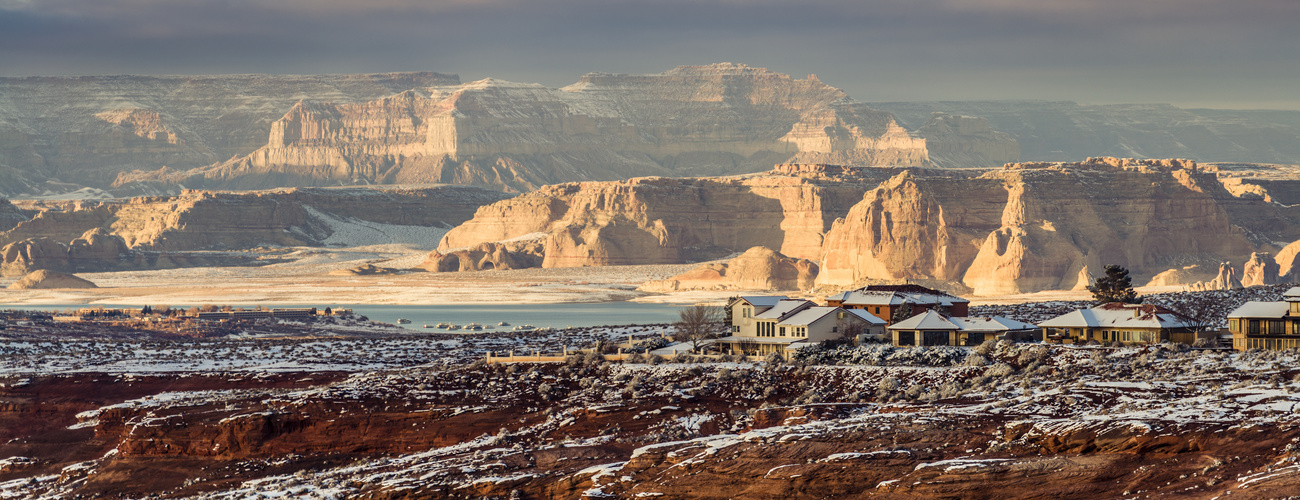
(648, 345)
(1000, 370)
(975, 359)
(635, 357)
(986, 348)
(774, 359)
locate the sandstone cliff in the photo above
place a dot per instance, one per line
(1022, 228)
(90, 129)
(759, 268)
(967, 141)
(668, 221)
(692, 120)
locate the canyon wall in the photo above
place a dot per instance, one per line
(90, 129)
(1021, 228)
(692, 120)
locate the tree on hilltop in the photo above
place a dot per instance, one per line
(1115, 286)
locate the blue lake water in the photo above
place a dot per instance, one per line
(538, 315)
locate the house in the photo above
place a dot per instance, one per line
(933, 328)
(1117, 321)
(798, 327)
(885, 301)
(741, 312)
(1267, 325)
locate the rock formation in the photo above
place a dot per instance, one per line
(93, 128)
(692, 120)
(1225, 280)
(967, 141)
(759, 268)
(1184, 276)
(1261, 269)
(1068, 131)
(152, 232)
(1022, 228)
(670, 221)
(44, 278)
(521, 253)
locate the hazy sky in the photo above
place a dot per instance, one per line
(1228, 53)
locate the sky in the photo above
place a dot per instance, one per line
(1192, 53)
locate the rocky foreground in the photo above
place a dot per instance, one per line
(345, 408)
(1005, 420)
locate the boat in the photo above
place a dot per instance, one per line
(453, 327)
(524, 328)
(428, 326)
(444, 325)
(503, 323)
(403, 321)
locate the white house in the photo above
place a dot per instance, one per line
(743, 310)
(790, 325)
(1117, 321)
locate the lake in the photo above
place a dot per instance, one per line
(538, 315)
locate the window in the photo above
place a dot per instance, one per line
(1253, 327)
(975, 338)
(936, 338)
(782, 331)
(1276, 327)
(744, 312)
(1295, 327)
(906, 337)
(1234, 325)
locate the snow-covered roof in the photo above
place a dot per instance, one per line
(1292, 295)
(1118, 315)
(809, 316)
(763, 300)
(1252, 309)
(870, 318)
(784, 308)
(990, 324)
(929, 320)
(933, 320)
(895, 297)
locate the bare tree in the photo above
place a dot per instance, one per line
(698, 324)
(1203, 311)
(850, 331)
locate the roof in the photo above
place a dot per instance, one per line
(882, 295)
(1252, 309)
(933, 320)
(870, 318)
(784, 309)
(763, 300)
(929, 320)
(1292, 294)
(991, 324)
(1119, 315)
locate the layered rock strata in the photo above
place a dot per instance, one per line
(692, 120)
(670, 221)
(1021, 228)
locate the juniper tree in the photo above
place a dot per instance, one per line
(1115, 286)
